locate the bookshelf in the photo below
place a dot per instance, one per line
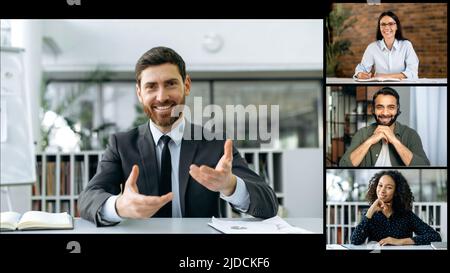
(266, 163)
(342, 219)
(62, 176)
(349, 109)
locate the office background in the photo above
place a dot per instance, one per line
(423, 108)
(346, 203)
(424, 24)
(80, 79)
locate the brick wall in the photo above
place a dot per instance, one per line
(425, 25)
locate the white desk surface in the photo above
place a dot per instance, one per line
(164, 225)
(419, 81)
(377, 247)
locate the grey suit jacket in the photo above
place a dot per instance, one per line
(137, 147)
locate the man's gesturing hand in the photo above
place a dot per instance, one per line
(131, 204)
(220, 179)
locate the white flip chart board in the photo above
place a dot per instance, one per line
(17, 148)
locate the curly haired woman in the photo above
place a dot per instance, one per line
(390, 219)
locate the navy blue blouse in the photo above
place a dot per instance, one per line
(398, 226)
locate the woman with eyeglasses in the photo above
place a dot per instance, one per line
(391, 55)
(390, 219)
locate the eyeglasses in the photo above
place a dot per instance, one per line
(390, 24)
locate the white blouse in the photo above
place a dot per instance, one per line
(400, 59)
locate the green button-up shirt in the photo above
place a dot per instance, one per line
(407, 137)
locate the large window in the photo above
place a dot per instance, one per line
(299, 106)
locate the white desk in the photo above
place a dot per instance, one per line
(423, 81)
(164, 225)
(377, 247)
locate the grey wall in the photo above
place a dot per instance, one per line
(303, 182)
(247, 44)
(20, 198)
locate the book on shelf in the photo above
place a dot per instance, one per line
(78, 176)
(36, 189)
(36, 205)
(51, 206)
(379, 79)
(77, 211)
(65, 206)
(339, 235)
(65, 178)
(35, 220)
(51, 183)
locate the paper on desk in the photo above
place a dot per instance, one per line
(335, 247)
(373, 245)
(271, 225)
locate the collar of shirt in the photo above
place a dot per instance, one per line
(176, 134)
(398, 129)
(384, 47)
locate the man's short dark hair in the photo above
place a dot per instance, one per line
(386, 91)
(156, 56)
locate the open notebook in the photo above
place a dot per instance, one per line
(32, 220)
(376, 79)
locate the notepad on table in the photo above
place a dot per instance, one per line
(32, 220)
(379, 79)
(272, 225)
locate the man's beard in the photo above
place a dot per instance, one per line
(391, 121)
(168, 120)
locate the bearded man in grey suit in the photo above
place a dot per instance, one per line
(160, 170)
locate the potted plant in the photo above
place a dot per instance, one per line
(336, 23)
(80, 123)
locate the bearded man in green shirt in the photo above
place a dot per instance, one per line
(386, 143)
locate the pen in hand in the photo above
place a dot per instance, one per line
(364, 75)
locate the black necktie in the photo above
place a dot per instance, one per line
(165, 181)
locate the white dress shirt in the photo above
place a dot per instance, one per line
(400, 59)
(240, 198)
